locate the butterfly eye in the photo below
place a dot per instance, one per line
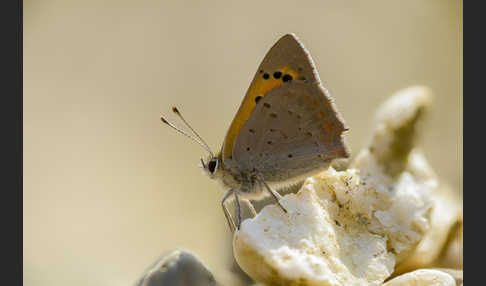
(212, 165)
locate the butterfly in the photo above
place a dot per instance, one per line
(286, 129)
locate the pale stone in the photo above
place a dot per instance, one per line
(332, 234)
(446, 213)
(423, 277)
(351, 227)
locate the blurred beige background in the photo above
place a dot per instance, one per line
(108, 188)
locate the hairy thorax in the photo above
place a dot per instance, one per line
(245, 182)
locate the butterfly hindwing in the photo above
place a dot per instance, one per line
(286, 61)
(293, 130)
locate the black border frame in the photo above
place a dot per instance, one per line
(12, 191)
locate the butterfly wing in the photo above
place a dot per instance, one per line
(287, 60)
(293, 131)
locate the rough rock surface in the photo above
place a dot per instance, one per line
(352, 227)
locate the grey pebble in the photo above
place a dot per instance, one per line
(179, 268)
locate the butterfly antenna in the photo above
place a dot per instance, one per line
(176, 111)
(187, 135)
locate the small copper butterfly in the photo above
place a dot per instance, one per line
(286, 129)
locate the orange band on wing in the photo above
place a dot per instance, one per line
(260, 87)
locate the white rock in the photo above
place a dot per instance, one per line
(446, 214)
(423, 277)
(349, 227)
(403, 211)
(340, 229)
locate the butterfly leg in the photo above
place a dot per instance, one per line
(274, 194)
(229, 219)
(238, 210)
(251, 208)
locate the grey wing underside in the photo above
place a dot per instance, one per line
(294, 130)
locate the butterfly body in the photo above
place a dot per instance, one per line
(286, 129)
(248, 184)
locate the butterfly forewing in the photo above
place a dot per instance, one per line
(286, 61)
